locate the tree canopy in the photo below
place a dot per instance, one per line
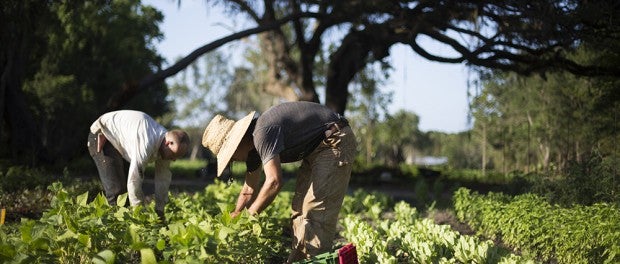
(62, 62)
(65, 62)
(523, 37)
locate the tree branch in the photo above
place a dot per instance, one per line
(126, 93)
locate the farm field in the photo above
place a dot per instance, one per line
(78, 226)
(475, 131)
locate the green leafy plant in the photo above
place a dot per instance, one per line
(577, 234)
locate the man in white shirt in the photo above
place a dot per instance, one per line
(139, 139)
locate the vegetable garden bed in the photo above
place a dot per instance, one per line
(198, 229)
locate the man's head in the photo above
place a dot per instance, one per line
(175, 145)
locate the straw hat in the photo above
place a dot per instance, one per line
(222, 137)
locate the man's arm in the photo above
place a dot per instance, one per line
(271, 187)
(248, 191)
(134, 184)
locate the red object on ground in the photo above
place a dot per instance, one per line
(347, 255)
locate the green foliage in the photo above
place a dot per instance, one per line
(421, 191)
(477, 176)
(199, 229)
(79, 54)
(579, 234)
(411, 170)
(407, 238)
(17, 178)
(367, 108)
(399, 136)
(23, 192)
(182, 168)
(594, 180)
(462, 152)
(528, 123)
(364, 204)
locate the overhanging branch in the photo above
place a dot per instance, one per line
(124, 94)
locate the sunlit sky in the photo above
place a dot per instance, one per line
(434, 91)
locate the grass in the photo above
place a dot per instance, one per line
(182, 168)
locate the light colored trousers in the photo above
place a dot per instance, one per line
(321, 185)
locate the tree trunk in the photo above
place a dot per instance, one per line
(351, 57)
(344, 64)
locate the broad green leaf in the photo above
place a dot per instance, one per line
(66, 235)
(121, 200)
(223, 208)
(203, 254)
(226, 218)
(161, 244)
(26, 230)
(133, 232)
(104, 257)
(41, 243)
(257, 229)
(147, 256)
(100, 200)
(55, 187)
(85, 240)
(224, 232)
(82, 199)
(69, 222)
(122, 213)
(7, 251)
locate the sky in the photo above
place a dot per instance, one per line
(436, 92)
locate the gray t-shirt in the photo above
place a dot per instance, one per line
(292, 130)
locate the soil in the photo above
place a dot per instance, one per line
(447, 217)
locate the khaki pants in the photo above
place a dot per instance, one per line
(321, 185)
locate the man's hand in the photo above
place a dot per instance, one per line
(237, 213)
(101, 140)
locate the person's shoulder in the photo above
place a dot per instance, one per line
(131, 112)
(297, 105)
(125, 112)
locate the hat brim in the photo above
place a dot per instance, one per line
(232, 141)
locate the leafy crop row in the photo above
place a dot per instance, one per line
(199, 229)
(580, 234)
(405, 237)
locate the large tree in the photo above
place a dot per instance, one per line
(521, 36)
(61, 62)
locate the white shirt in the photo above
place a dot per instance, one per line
(137, 137)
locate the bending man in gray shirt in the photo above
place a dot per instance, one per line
(294, 131)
